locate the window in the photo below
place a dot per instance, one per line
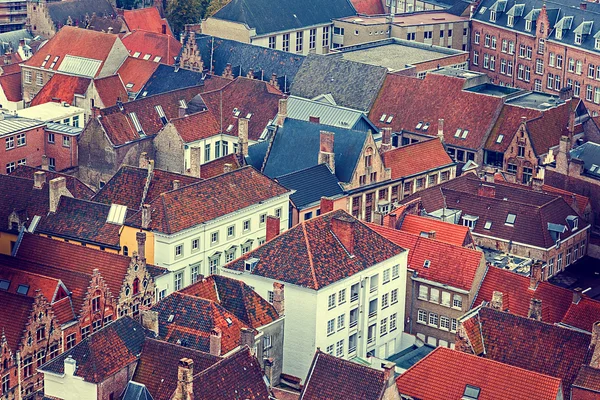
(509, 68)
(428, 34)
(339, 348)
(433, 319)
(374, 282)
(597, 95)
(231, 231)
(352, 343)
(559, 261)
(331, 301)
(330, 349)
(330, 327)
(422, 316)
(445, 323)
(582, 248)
(411, 36)
(272, 42)
(511, 47)
(541, 43)
(10, 167)
(371, 334)
(27, 366)
(207, 152)
(386, 276)
(66, 141)
(85, 332)
(578, 67)
(96, 325)
(41, 334)
(50, 137)
(577, 89)
(477, 37)
(434, 295)
(270, 296)
(446, 299)
(453, 325)
(178, 251)
(395, 271)
(557, 82)
(70, 340)
(383, 327)
(588, 92)
(39, 79)
(312, 39)
(299, 38)
(502, 66)
(10, 143)
(342, 296)
(550, 267)
(286, 42)
(559, 61)
(475, 57)
(21, 140)
(373, 308)
(178, 281)
(325, 36)
(95, 303)
(194, 272)
(521, 71)
(539, 66)
(27, 77)
(5, 383)
(262, 219)
(522, 50)
(528, 53)
(195, 245)
(457, 300)
(511, 20)
(385, 301)
(504, 47)
(354, 292)
(353, 317)
(214, 264)
(214, 237)
(341, 321)
(551, 58)
(423, 292)
(394, 296)
(487, 41)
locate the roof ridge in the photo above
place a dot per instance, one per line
(310, 259)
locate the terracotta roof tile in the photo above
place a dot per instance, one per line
(110, 89)
(588, 378)
(582, 315)
(575, 200)
(61, 88)
(63, 311)
(147, 19)
(416, 158)
(444, 231)
(368, 7)
(77, 188)
(136, 71)
(197, 126)
(46, 285)
(153, 43)
(546, 132)
(217, 167)
(14, 316)
(507, 124)
(18, 195)
(444, 374)
(204, 201)
(311, 255)
(11, 85)
(333, 378)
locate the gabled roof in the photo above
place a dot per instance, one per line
(577, 201)
(78, 11)
(154, 46)
(527, 343)
(197, 126)
(296, 145)
(81, 220)
(545, 132)
(16, 277)
(334, 378)
(167, 78)
(161, 359)
(436, 261)
(311, 255)
(311, 184)
(251, 97)
(445, 374)
(236, 297)
(204, 201)
(589, 153)
(587, 379)
(446, 232)
(111, 89)
(583, 314)
(61, 87)
(128, 186)
(369, 7)
(135, 72)
(106, 23)
(506, 126)
(416, 158)
(77, 188)
(104, 353)
(188, 320)
(217, 167)
(283, 15)
(14, 317)
(11, 86)
(146, 19)
(18, 195)
(76, 45)
(352, 84)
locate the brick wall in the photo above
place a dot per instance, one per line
(31, 151)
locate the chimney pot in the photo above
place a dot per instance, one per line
(535, 309)
(279, 298)
(185, 380)
(39, 179)
(273, 227)
(45, 163)
(393, 220)
(441, 129)
(215, 341)
(146, 216)
(577, 295)
(389, 373)
(583, 5)
(343, 228)
(176, 184)
(497, 302)
(386, 139)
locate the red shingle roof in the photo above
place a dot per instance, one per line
(454, 234)
(444, 374)
(369, 7)
(77, 188)
(110, 89)
(582, 315)
(136, 71)
(577, 201)
(588, 379)
(155, 44)
(14, 316)
(217, 167)
(147, 19)
(46, 285)
(545, 132)
(11, 86)
(61, 88)
(507, 124)
(194, 204)
(311, 255)
(198, 126)
(416, 158)
(18, 195)
(448, 264)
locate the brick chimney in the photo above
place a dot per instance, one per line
(562, 157)
(273, 227)
(566, 93)
(195, 157)
(377, 217)
(486, 190)
(326, 205)
(182, 111)
(215, 341)
(269, 370)
(45, 163)
(279, 298)
(149, 320)
(243, 136)
(282, 112)
(440, 133)
(535, 275)
(326, 154)
(185, 380)
(176, 184)
(576, 295)
(386, 139)
(343, 228)
(535, 309)
(146, 216)
(497, 302)
(39, 179)
(583, 5)
(140, 237)
(143, 163)
(595, 346)
(247, 337)
(389, 374)
(58, 188)
(314, 119)
(393, 220)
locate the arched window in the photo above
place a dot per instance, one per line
(125, 250)
(136, 286)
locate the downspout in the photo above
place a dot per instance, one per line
(412, 300)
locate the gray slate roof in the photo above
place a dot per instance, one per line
(60, 11)
(269, 16)
(11, 39)
(589, 153)
(352, 84)
(167, 78)
(295, 147)
(310, 185)
(136, 391)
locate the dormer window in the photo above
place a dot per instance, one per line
(511, 20)
(492, 16)
(510, 219)
(470, 221)
(250, 264)
(578, 38)
(573, 222)
(528, 26)
(597, 44)
(558, 34)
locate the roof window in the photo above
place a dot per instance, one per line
(458, 132)
(389, 120)
(382, 118)
(171, 317)
(229, 128)
(23, 289)
(464, 134)
(45, 60)
(425, 127)
(236, 112)
(182, 103)
(594, 168)
(488, 225)
(136, 123)
(129, 85)
(499, 139)
(136, 54)
(157, 59)
(161, 114)
(426, 263)
(419, 125)
(249, 115)
(116, 214)
(147, 56)
(510, 219)
(471, 393)
(4, 284)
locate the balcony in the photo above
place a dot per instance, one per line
(371, 341)
(353, 297)
(353, 324)
(372, 314)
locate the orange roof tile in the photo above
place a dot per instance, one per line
(444, 231)
(11, 86)
(136, 72)
(217, 167)
(582, 315)
(14, 316)
(110, 89)
(368, 7)
(416, 158)
(577, 200)
(198, 126)
(155, 44)
(36, 282)
(61, 88)
(147, 19)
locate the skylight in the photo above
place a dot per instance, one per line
(427, 263)
(594, 168)
(458, 132)
(488, 225)
(23, 289)
(147, 56)
(157, 59)
(382, 118)
(419, 125)
(464, 134)
(510, 219)
(471, 392)
(4, 284)
(136, 54)
(129, 85)
(116, 214)
(229, 128)
(161, 114)
(248, 116)
(425, 127)
(389, 120)
(499, 139)
(482, 10)
(136, 122)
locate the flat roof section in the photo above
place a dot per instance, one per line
(417, 18)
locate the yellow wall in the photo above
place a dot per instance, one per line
(92, 246)
(128, 239)
(5, 240)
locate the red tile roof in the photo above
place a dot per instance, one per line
(155, 44)
(61, 88)
(74, 42)
(110, 89)
(46, 285)
(448, 264)
(136, 71)
(11, 86)
(368, 7)
(217, 167)
(507, 124)
(128, 186)
(198, 126)
(411, 100)
(146, 19)
(444, 374)
(249, 96)
(527, 343)
(77, 188)
(14, 317)
(588, 379)
(204, 201)
(236, 297)
(446, 232)
(583, 314)
(333, 378)
(18, 195)
(545, 132)
(311, 255)
(416, 158)
(577, 201)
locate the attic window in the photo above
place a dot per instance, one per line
(171, 317)
(250, 263)
(46, 60)
(229, 321)
(488, 225)
(464, 134)
(425, 127)
(136, 123)
(249, 115)
(500, 137)
(594, 168)
(161, 114)
(426, 264)
(471, 393)
(23, 289)
(236, 112)
(147, 56)
(419, 125)
(157, 59)
(458, 132)
(389, 120)
(382, 118)
(129, 85)
(136, 54)
(4, 284)
(510, 219)
(229, 128)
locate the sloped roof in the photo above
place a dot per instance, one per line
(444, 374)
(146, 19)
(11, 86)
(334, 378)
(77, 10)
(416, 158)
(46, 285)
(217, 167)
(127, 186)
(167, 78)
(236, 297)
(283, 15)
(77, 188)
(311, 184)
(587, 379)
(111, 89)
(14, 316)
(61, 87)
(574, 199)
(296, 145)
(107, 23)
(507, 124)
(197, 126)
(311, 255)
(204, 201)
(136, 391)
(545, 132)
(104, 353)
(369, 7)
(19, 195)
(136, 72)
(446, 232)
(582, 315)
(155, 44)
(352, 84)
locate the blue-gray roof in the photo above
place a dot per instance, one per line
(310, 185)
(295, 147)
(167, 78)
(270, 16)
(589, 153)
(556, 10)
(77, 10)
(11, 39)
(136, 391)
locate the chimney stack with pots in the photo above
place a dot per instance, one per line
(486, 190)
(247, 336)
(440, 133)
(577, 293)
(326, 153)
(243, 136)
(326, 205)
(140, 237)
(39, 179)
(535, 309)
(343, 228)
(279, 297)
(144, 160)
(535, 275)
(386, 139)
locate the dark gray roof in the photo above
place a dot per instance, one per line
(243, 56)
(311, 184)
(256, 154)
(136, 391)
(295, 147)
(351, 84)
(60, 11)
(268, 16)
(589, 153)
(556, 9)
(167, 78)
(11, 39)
